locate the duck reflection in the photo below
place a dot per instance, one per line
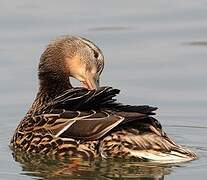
(44, 167)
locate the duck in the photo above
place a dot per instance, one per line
(88, 122)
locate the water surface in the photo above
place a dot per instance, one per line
(155, 53)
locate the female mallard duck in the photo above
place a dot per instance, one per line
(88, 122)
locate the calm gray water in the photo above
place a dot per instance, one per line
(156, 53)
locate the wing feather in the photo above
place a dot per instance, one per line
(83, 99)
(84, 125)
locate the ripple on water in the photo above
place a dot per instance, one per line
(196, 43)
(110, 28)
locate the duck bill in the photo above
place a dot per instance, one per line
(91, 83)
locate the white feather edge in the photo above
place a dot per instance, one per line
(161, 157)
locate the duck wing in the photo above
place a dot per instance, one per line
(83, 99)
(88, 115)
(144, 109)
(79, 125)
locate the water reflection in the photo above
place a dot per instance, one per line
(54, 168)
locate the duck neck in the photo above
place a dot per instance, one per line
(51, 86)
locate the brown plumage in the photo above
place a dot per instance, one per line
(78, 122)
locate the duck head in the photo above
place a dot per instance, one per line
(71, 56)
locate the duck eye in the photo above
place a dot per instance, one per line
(96, 54)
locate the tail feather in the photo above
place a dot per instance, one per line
(164, 157)
(145, 146)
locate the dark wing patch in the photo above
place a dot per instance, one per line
(83, 99)
(144, 109)
(92, 127)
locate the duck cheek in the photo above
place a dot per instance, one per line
(78, 76)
